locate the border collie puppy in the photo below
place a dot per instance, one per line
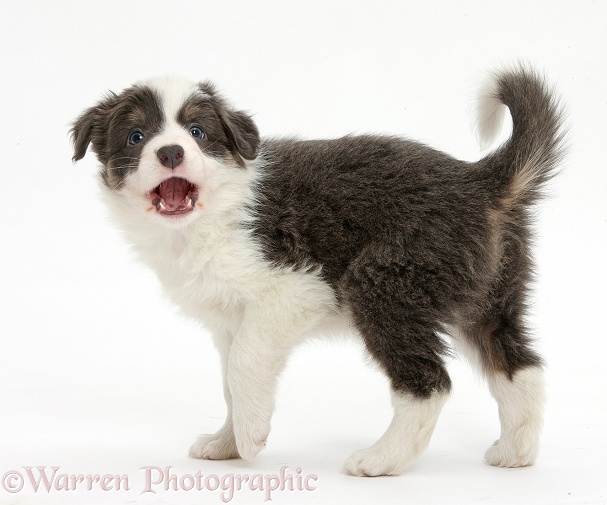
(269, 241)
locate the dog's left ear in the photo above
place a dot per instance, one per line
(89, 127)
(238, 126)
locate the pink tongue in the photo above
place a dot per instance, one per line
(174, 191)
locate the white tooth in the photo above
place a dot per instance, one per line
(161, 205)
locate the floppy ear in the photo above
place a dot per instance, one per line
(238, 126)
(83, 129)
(81, 132)
(242, 132)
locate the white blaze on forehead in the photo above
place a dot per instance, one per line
(173, 92)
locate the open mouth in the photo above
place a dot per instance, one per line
(174, 197)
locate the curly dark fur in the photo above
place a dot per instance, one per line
(412, 239)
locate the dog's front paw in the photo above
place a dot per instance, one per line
(373, 462)
(248, 449)
(250, 439)
(221, 445)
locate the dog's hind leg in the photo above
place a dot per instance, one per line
(390, 306)
(520, 399)
(406, 438)
(498, 343)
(514, 374)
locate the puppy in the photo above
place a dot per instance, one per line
(268, 241)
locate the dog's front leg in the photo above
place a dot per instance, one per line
(257, 356)
(222, 444)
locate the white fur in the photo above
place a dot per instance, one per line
(407, 436)
(213, 270)
(221, 445)
(195, 166)
(211, 267)
(173, 91)
(520, 402)
(491, 113)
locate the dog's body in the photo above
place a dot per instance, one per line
(269, 241)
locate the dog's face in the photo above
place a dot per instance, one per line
(165, 145)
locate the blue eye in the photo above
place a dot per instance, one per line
(197, 132)
(135, 138)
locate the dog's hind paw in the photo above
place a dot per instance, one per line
(510, 455)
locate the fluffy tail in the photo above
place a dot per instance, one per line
(521, 166)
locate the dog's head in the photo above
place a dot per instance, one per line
(165, 144)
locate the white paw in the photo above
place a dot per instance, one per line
(250, 433)
(510, 455)
(221, 445)
(373, 462)
(249, 446)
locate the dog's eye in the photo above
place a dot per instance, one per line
(196, 131)
(135, 138)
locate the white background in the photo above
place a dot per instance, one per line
(98, 374)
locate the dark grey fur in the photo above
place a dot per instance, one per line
(412, 239)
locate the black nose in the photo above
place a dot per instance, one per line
(170, 156)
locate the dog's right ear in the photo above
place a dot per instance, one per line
(90, 125)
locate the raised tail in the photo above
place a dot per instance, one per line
(528, 159)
